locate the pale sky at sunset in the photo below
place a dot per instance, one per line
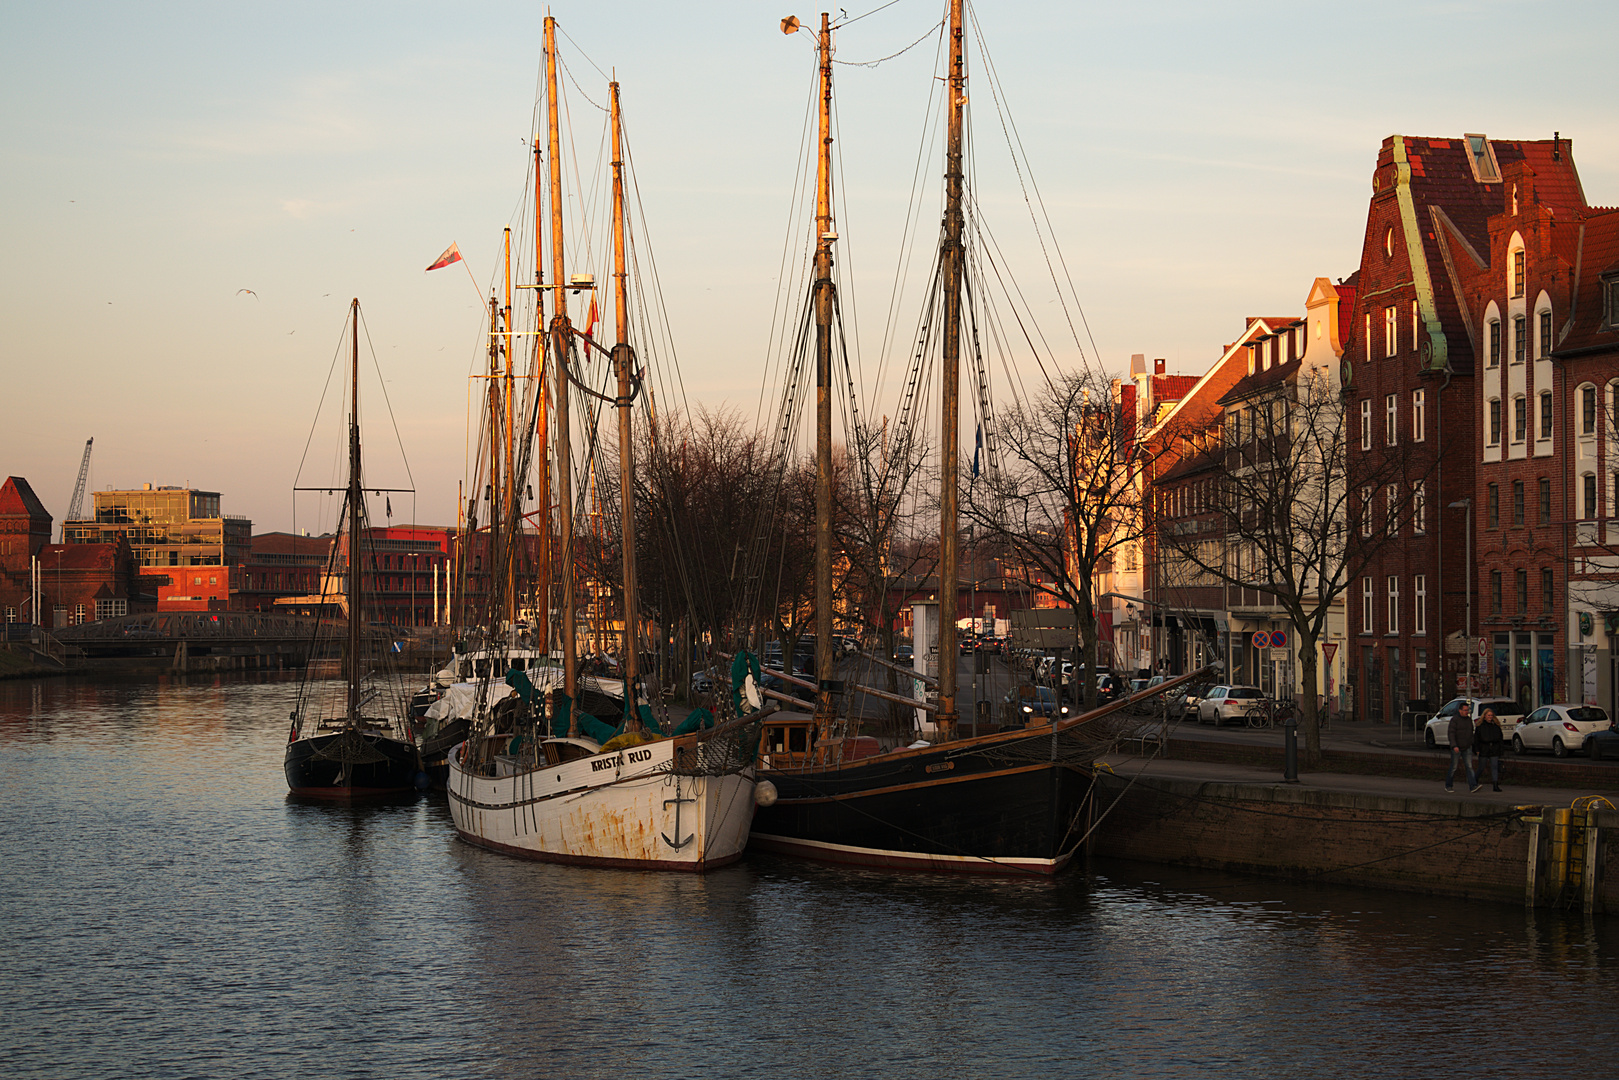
(1200, 162)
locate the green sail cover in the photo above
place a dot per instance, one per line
(742, 666)
(560, 719)
(520, 682)
(697, 721)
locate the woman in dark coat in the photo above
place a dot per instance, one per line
(1489, 742)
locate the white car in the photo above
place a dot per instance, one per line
(1227, 703)
(1438, 730)
(1559, 728)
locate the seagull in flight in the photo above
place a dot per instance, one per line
(249, 292)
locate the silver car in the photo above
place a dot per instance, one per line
(1559, 728)
(1507, 711)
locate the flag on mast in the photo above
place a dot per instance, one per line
(451, 254)
(590, 320)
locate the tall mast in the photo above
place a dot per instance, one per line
(950, 258)
(496, 489)
(622, 359)
(542, 617)
(512, 526)
(824, 234)
(354, 581)
(562, 341)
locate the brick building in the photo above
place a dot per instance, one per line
(73, 583)
(189, 551)
(1442, 377)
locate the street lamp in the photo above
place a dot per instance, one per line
(1467, 625)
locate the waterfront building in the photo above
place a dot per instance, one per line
(187, 550)
(72, 584)
(1469, 248)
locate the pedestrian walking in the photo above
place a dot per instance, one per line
(1461, 747)
(1490, 742)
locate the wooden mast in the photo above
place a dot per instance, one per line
(623, 358)
(824, 710)
(496, 492)
(354, 497)
(511, 524)
(561, 341)
(542, 436)
(950, 257)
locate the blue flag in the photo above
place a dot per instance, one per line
(978, 444)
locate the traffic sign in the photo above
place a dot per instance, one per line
(1261, 639)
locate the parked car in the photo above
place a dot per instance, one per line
(1604, 744)
(1437, 732)
(1109, 688)
(702, 682)
(903, 654)
(1226, 704)
(1026, 702)
(1192, 696)
(1562, 729)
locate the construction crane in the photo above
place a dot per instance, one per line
(76, 507)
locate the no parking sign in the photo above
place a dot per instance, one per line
(1262, 639)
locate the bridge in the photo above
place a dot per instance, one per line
(192, 640)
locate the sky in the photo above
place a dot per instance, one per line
(1198, 162)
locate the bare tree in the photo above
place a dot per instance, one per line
(1065, 497)
(1291, 515)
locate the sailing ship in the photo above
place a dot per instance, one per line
(1000, 803)
(538, 776)
(357, 745)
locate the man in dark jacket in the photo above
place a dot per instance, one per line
(1461, 747)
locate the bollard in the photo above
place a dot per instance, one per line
(1290, 755)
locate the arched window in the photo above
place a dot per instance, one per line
(1588, 409)
(1494, 420)
(1588, 496)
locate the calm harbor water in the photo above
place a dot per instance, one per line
(169, 912)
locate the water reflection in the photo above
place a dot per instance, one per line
(171, 911)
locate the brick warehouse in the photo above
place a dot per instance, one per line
(1468, 245)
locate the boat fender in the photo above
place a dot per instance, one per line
(764, 793)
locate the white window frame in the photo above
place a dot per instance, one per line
(1419, 508)
(1419, 610)
(1546, 416)
(1366, 626)
(1366, 423)
(1492, 422)
(1366, 512)
(1394, 604)
(1520, 418)
(1391, 331)
(1391, 500)
(1391, 419)
(1419, 415)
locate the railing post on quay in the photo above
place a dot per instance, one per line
(1290, 752)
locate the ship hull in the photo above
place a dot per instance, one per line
(970, 807)
(629, 809)
(321, 767)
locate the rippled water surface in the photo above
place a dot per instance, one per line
(169, 912)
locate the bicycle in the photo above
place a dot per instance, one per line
(1258, 715)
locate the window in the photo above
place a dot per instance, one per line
(1517, 272)
(78, 615)
(1520, 341)
(1495, 342)
(1366, 605)
(1394, 604)
(1413, 326)
(1492, 506)
(1495, 592)
(1548, 591)
(1419, 611)
(1588, 410)
(1482, 159)
(1419, 508)
(111, 609)
(1388, 244)
(1495, 422)
(1544, 345)
(1520, 419)
(1419, 415)
(1545, 500)
(1517, 502)
(1366, 513)
(1391, 332)
(1392, 506)
(1521, 582)
(1391, 419)
(1610, 302)
(1589, 482)
(1545, 414)
(1368, 335)
(1366, 424)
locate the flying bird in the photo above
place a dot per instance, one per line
(249, 292)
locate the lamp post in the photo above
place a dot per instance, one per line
(1467, 625)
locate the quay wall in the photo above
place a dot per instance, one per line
(1469, 850)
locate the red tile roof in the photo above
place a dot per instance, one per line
(1599, 255)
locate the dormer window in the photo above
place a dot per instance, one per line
(1481, 155)
(1610, 302)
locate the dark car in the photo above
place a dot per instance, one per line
(1602, 745)
(1109, 688)
(1027, 702)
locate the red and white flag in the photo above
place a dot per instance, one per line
(451, 254)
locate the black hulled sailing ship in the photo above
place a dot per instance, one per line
(352, 741)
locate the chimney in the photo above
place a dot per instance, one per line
(1158, 366)
(1138, 364)
(1557, 146)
